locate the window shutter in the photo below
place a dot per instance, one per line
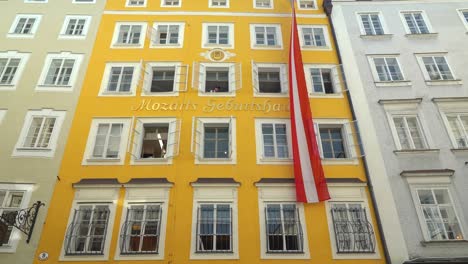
(197, 133)
(235, 77)
(353, 140)
(198, 76)
(151, 34)
(230, 137)
(198, 243)
(339, 80)
(255, 83)
(318, 139)
(173, 139)
(181, 78)
(137, 136)
(284, 78)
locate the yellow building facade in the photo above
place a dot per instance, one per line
(180, 149)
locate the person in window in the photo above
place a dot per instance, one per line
(215, 90)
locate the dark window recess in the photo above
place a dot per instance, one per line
(154, 143)
(269, 82)
(333, 145)
(217, 80)
(163, 80)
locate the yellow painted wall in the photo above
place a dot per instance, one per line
(183, 170)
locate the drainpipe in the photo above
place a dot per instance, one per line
(328, 6)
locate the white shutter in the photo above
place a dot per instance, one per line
(230, 137)
(198, 76)
(255, 81)
(284, 78)
(137, 137)
(181, 72)
(173, 139)
(339, 80)
(197, 137)
(144, 78)
(151, 34)
(318, 139)
(235, 77)
(353, 140)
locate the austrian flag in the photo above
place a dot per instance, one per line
(311, 186)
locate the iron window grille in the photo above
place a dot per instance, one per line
(141, 231)
(86, 234)
(353, 232)
(214, 228)
(283, 229)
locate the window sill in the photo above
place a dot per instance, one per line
(282, 94)
(155, 94)
(7, 87)
(217, 94)
(325, 95)
(127, 46)
(459, 150)
(444, 82)
(214, 255)
(314, 48)
(345, 161)
(278, 161)
(443, 242)
(416, 151)
(71, 37)
(374, 37)
(28, 36)
(34, 149)
(214, 161)
(392, 83)
(273, 47)
(107, 93)
(54, 88)
(151, 161)
(33, 152)
(102, 161)
(141, 256)
(165, 46)
(221, 46)
(422, 35)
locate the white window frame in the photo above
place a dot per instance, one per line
(283, 72)
(66, 21)
(128, 4)
(259, 141)
(81, 2)
(24, 57)
(220, 194)
(349, 193)
(210, 4)
(16, 234)
(36, 1)
(207, 45)
(124, 139)
(106, 78)
(173, 140)
(198, 136)
(233, 85)
(423, 15)
(146, 194)
(279, 37)
(49, 152)
(462, 17)
(452, 107)
(298, 3)
(427, 78)
(375, 74)
(336, 80)
(164, 5)
(280, 193)
(97, 195)
(326, 38)
(73, 76)
(148, 76)
(262, 7)
(154, 37)
(2, 115)
(381, 20)
(11, 32)
(138, 45)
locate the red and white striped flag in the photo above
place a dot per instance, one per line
(311, 186)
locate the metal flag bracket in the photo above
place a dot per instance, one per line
(23, 219)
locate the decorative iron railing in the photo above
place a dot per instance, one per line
(22, 219)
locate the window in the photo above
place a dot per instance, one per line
(40, 133)
(323, 79)
(25, 26)
(409, 132)
(458, 129)
(269, 79)
(219, 3)
(214, 140)
(415, 22)
(435, 67)
(282, 231)
(13, 197)
(314, 37)
(11, 66)
(217, 79)
(136, 3)
(218, 35)
(156, 139)
(129, 35)
(171, 3)
(371, 24)
(464, 16)
(106, 141)
(167, 35)
(266, 4)
(307, 4)
(120, 79)
(214, 227)
(273, 139)
(59, 72)
(332, 141)
(163, 79)
(266, 37)
(337, 139)
(386, 69)
(75, 27)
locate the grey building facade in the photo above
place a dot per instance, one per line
(406, 65)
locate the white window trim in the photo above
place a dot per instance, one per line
(124, 137)
(375, 74)
(460, 14)
(16, 234)
(382, 22)
(60, 88)
(259, 140)
(349, 193)
(106, 77)
(279, 37)
(67, 19)
(199, 137)
(349, 143)
(127, 4)
(210, 4)
(451, 108)
(272, 6)
(325, 35)
(24, 57)
(215, 193)
(2, 115)
(163, 5)
(427, 78)
(34, 28)
(205, 43)
(280, 193)
(149, 75)
(36, 1)
(115, 36)
(83, 3)
(298, 4)
(283, 71)
(49, 152)
(138, 141)
(141, 195)
(180, 41)
(231, 67)
(337, 85)
(93, 194)
(424, 16)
